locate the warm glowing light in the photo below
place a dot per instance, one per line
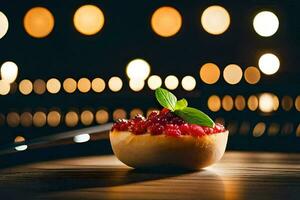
(244, 128)
(240, 103)
(87, 117)
(214, 103)
(71, 119)
(84, 85)
(134, 112)
(102, 116)
(138, 69)
(297, 103)
(166, 21)
(25, 87)
(38, 22)
(252, 75)
(265, 23)
(210, 73)
(39, 86)
(273, 129)
(119, 114)
(171, 82)
(232, 74)
(287, 103)
(188, 83)
(53, 118)
(269, 63)
(69, 85)
(252, 103)
(3, 24)
(115, 84)
(98, 85)
(215, 20)
(287, 128)
(4, 87)
(81, 138)
(154, 82)
(9, 71)
(268, 102)
(39, 119)
(88, 19)
(227, 103)
(259, 129)
(26, 119)
(136, 85)
(19, 139)
(13, 119)
(53, 85)
(298, 131)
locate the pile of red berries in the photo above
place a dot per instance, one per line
(164, 122)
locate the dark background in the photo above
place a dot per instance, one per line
(127, 34)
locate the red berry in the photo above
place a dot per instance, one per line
(196, 130)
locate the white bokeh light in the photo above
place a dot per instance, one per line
(9, 71)
(269, 63)
(154, 82)
(171, 82)
(81, 138)
(136, 85)
(188, 83)
(138, 69)
(115, 84)
(266, 102)
(265, 23)
(3, 24)
(4, 87)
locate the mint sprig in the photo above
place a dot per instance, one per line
(181, 109)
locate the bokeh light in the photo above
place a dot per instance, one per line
(269, 63)
(3, 24)
(71, 119)
(244, 128)
(298, 131)
(87, 117)
(214, 103)
(119, 114)
(26, 119)
(287, 103)
(252, 103)
(259, 129)
(4, 87)
(98, 85)
(38, 22)
(81, 138)
(88, 19)
(171, 82)
(102, 116)
(135, 112)
(20, 139)
(215, 20)
(13, 119)
(84, 85)
(210, 73)
(138, 69)
(25, 86)
(53, 85)
(39, 119)
(265, 23)
(240, 103)
(273, 129)
(166, 21)
(2, 119)
(268, 102)
(188, 83)
(9, 71)
(69, 85)
(154, 82)
(297, 103)
(115, 84)
(252, 75)
(136, 85)
(53, 118)
(39, 86)
(227, 103)
(232, 74)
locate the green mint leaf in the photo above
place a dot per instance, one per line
(195, 116)
(182, 103)
(165, 98)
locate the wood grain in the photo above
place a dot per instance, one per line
(237, 176)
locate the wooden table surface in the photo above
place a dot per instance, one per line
(237, 176)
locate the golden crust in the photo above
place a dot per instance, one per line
(146, 150)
